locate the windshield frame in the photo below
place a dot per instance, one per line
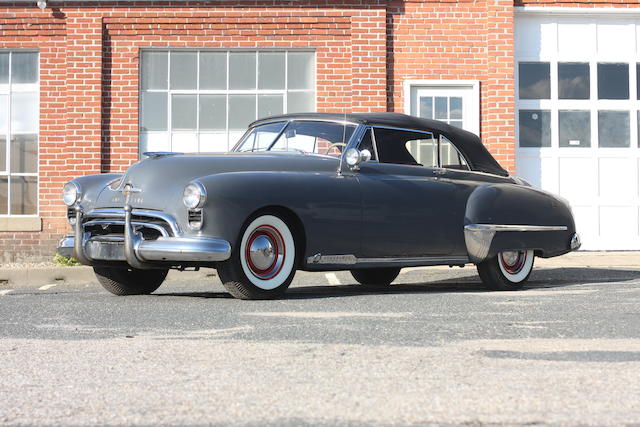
(288, 122)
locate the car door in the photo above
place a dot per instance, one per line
(410, 209)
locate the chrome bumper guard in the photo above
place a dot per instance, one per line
(136, 251)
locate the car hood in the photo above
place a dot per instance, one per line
(158, 182)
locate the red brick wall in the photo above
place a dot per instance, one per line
(458, 41)
(582, 3)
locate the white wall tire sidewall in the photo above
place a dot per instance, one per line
(290, 255)
(522, 274)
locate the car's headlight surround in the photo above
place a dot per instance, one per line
(71, 193)
(194, 195)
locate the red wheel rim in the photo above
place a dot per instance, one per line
(266, 244)
(513, 264)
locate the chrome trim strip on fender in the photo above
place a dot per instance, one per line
(384, 261)
(478, 237)
(505, 227)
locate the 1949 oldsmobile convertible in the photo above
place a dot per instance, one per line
(369, 193)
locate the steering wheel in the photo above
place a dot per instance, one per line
(333, 145)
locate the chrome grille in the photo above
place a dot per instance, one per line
(110, 222)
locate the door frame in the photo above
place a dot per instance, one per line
(474, 85)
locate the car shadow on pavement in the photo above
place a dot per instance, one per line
(548, 278)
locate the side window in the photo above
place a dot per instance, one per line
(404, 147)
(367, 144)
(424, 151)
(450, 158)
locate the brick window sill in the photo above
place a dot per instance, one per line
(21, 223)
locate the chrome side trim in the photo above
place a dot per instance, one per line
(478, 237)
(352, 260)
(504, 227)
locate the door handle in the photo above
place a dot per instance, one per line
(439, 171)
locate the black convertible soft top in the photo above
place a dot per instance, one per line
(468, 143)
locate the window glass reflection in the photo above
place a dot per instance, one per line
(535, 128)
(534, 80)
(613, 81)
(575, 128)
(613, 129)
(573, 80)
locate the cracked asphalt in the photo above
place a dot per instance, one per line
(434, 349)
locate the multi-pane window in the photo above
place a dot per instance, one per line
(566, 98)
(444, 108)
(203, 100)
(19, 132)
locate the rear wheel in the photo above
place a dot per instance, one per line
(507, 271)
(375, 277)
(129, 281)
(263, 263)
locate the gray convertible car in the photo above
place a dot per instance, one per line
(368, 193)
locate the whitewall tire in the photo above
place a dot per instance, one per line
(263, 262)
(508, 270)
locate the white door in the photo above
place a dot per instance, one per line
(453, 102)
(577, 102)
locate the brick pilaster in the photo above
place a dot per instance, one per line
(84, 66)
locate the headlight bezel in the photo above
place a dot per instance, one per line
(196, 193)
(77, 193)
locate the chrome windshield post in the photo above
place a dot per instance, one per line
(78, 239)
(132, 240)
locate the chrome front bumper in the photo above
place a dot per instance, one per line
(137, 252)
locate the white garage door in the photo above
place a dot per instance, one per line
(577, 102)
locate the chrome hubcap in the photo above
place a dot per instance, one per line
(265, 252)
(262, 252)
(513, 261)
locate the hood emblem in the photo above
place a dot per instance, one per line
(128, 189)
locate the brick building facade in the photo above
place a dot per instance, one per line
(367, 56)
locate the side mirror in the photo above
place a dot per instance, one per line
(353, 157)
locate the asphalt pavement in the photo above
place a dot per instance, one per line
(435, 348)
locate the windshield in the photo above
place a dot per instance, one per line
(328, 138)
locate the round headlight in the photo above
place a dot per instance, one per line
(70, 193)
(193, 196)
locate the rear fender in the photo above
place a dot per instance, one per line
(503, 217)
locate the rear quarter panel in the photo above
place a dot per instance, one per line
(514, 204)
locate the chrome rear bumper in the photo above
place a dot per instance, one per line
(137, 252)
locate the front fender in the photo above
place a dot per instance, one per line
(327, 204)
(501, 217)
(91, 186)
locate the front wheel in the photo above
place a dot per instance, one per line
(129, 281)
(375, 277)
(507, 271)
(263, 263)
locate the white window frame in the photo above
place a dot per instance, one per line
(473, 114)
(226, 92)
(8, 89)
